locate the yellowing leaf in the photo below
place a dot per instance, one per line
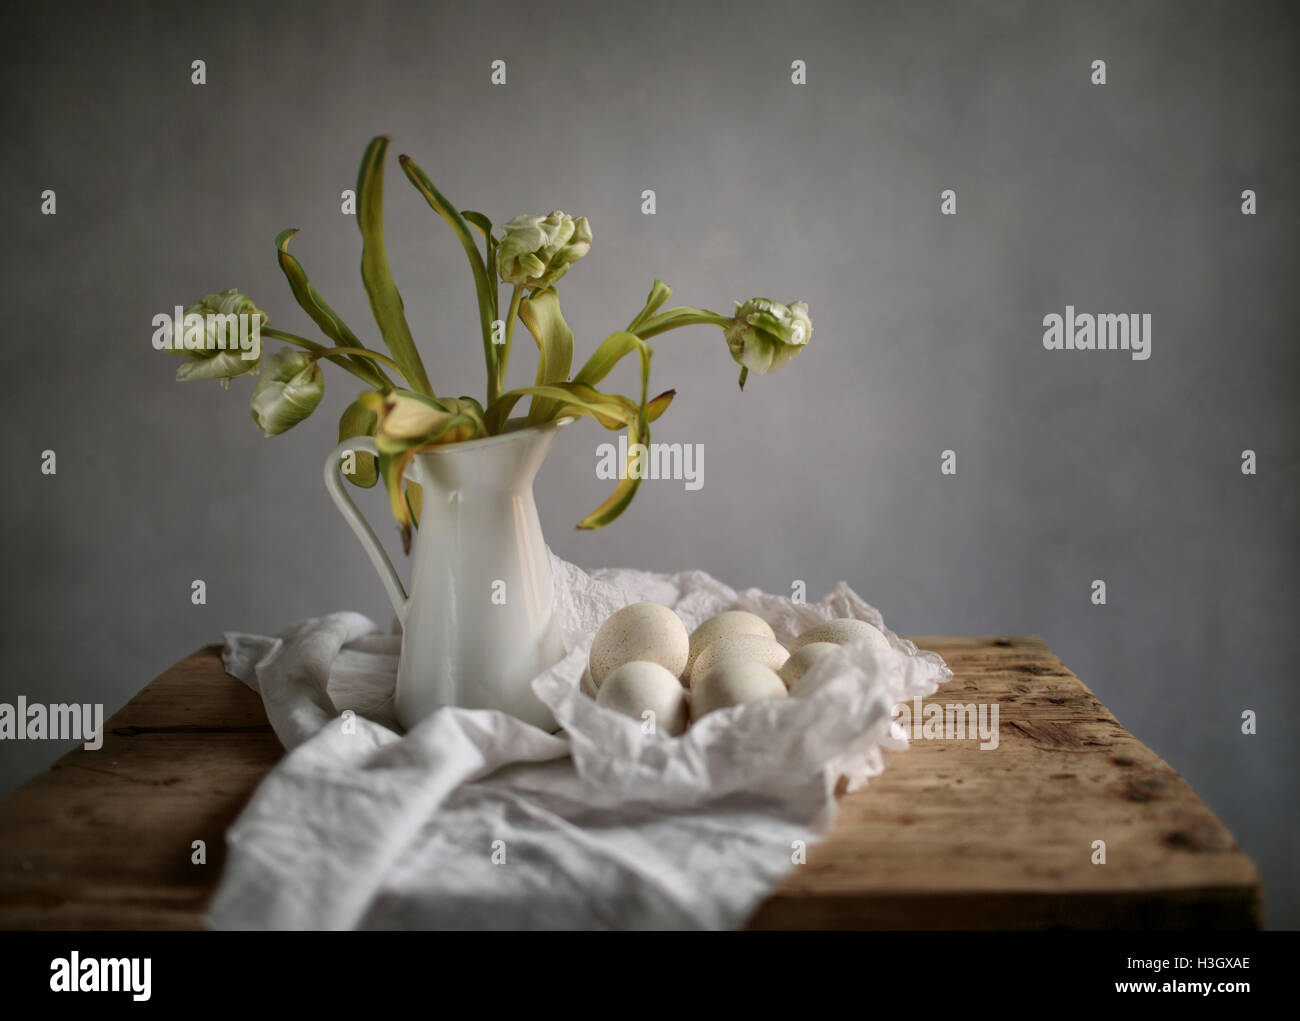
(359, 420)
(540, 314)
(385, 301)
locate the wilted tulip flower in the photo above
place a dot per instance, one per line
(537, 250)
(288, 389)
(764, 334)
(404, 417)
(228, 349)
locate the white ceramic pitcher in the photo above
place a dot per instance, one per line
(478, 624)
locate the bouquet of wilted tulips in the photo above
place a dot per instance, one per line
(406, 419)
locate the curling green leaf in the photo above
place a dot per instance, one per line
(638, 441)
(484, 286)
(385, 301)
(321, 314)
(612, 350)
(659, 293)
(613, 411)
(540, 314)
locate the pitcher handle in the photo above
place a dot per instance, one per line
(359, 525)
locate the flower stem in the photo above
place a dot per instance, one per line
(672, 319)
(360, 352)
(374, 379)
(498, 386)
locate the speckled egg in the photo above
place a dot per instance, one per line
(728, 624)
(642, 631)
(767, 651)
(802, 659)
(842, 631)
(732, 681)
(639, 687)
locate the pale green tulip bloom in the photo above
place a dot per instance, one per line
(222, 365)
(764, 334)
(288, 389)
(210, 361)
(537, 250)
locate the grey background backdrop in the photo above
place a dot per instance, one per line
(1071, 466)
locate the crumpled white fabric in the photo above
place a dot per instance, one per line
(476, 820)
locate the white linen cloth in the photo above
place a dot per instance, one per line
(474, 819)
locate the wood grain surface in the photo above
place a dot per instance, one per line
(949, 837)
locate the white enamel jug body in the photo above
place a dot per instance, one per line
(478, 624)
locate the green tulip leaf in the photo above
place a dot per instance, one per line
(478, 220)
(415, 500)
(612, 350)
(658, 405)
(359, 420)
(659, 293)
(618, 501)
(385, 301)
(489, 249)
(613, 411)
(540, 314)
(472, 410)
(319, 310)
(483, 286)
(682, 315)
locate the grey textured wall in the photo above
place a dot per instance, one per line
(1071, 466)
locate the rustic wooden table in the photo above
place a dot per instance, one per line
(949, 837)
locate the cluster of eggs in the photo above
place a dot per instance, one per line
(642, 659)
